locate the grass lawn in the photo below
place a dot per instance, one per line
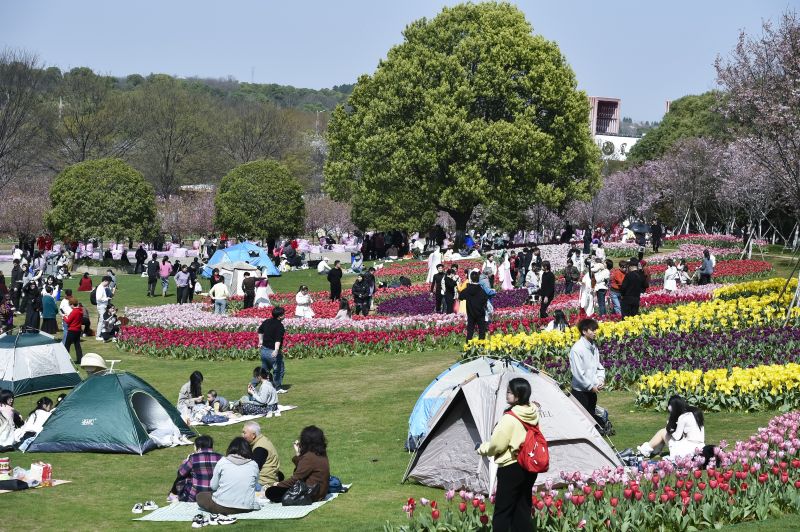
(361, 402)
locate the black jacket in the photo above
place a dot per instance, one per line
(16, 274)
(436, 284)
(360, 291)
(153, 268)
(476, 300)
(634, 285)
(141, 255)
(548, 288)
(335, 276)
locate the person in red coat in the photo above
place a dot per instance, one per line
(85, 284)
(74, 322)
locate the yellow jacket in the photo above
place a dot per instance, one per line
(509, 434)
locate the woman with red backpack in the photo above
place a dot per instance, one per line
(512, 506)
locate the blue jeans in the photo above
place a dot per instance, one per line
(220, 305)
(273, 363)
(616, 302)
(64, 332)
(601, 302)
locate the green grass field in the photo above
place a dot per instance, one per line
(361, 402)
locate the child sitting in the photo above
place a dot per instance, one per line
(194, 474)
(264, 398)
(217, 402)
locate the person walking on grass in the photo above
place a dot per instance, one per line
(588, 375)
(476, 302)
(165, 272)
(182, 285)
(74, 323)
(152, 275)
(270, 335)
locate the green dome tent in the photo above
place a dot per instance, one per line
(33, 362)
(111, 412)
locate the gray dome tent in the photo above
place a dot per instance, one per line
(110, 412)
(446, 457)
(33, 362)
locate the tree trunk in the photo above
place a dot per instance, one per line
(461, 219)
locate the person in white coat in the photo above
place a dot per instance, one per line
(586, 298)
(434, 259)
(601, 279)
(671, 277)
(684, 434)
(504, 274)
(263, 291)
(303, 301)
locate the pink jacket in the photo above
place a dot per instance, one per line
(165, 269)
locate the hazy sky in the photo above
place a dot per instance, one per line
(644, 52)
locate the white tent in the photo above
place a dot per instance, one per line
(33, 362)
(446, 454)
(233, 273)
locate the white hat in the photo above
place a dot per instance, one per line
(93, 363)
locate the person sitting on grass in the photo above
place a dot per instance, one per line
(311, 466)
(190, 395)
(233, 483)
(33, 425)
(264, 454)
(344, 310)
(684, 434)
(264, 397)
(85, 284)
(217, 402)
(110, 324)
(194, 474)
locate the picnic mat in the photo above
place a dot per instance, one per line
(185, 511)
(55, 483)
(241, 419)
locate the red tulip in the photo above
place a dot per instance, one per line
(664, 497)
(548, 501)
(598, 494)
(762, 478)
(539, 505)
(482, 507)
(655, 479)
(638, 495)
(743, 485)
(433, 504)
(783, 465)
(797, 484)
(713, 484)
(679, 484)
(587, 490)
(484, 519)
(698, 497)
(475, 503)
(698, 473)
(435, 514)
(627, 493)
(701, 485)
(614, 502)
(462, 507)
(651, 496)
(795, 463)
(784, 479)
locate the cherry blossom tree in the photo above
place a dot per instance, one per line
(187, 213)
(23, 206)
(761, 80)
(331, 216)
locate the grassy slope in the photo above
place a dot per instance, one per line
(362, 403)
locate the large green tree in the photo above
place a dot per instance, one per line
(102, 198)
(688, 117)
(260, 199)
(471, 109)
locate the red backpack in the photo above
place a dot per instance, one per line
(533, 454)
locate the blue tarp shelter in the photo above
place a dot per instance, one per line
(243, 252)
(444, 387)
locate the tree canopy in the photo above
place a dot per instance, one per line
(690, 116)
(102, 198)
(260, 199)
(471, 109)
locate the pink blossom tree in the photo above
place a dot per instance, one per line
(323, 213)
(23, 206)
(187, 213)
(761, 80)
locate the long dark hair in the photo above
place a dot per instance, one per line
(239, 446)
(560, 320)
(679, 406)
(521, 389)
(312, 440)
(195, 380)
(41, 404)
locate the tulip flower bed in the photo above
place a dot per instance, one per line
(772, 387)
(757, 479)
(629, 359)
(727, 241)
(425, 303)
(726, 271)
(714, 315)
(322, 309)
(755, 288)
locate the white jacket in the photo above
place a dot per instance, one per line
(601, 278)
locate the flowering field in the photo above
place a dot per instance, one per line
(763, 387)
(728, 241)
(756, 479)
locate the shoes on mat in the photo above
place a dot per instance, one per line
(199, 521)
(218, 519)
(172, 498)
(150, 506)
(281, 390)
(269, 414)
(277, 413)
(137, 508)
